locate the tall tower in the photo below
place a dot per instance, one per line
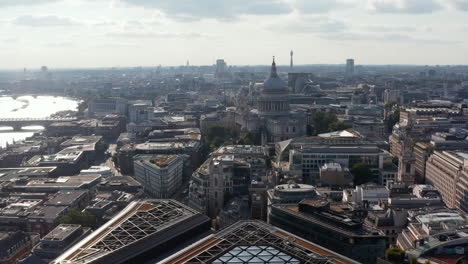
(349, 67)
(292, 62)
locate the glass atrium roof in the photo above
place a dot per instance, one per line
(255, 255)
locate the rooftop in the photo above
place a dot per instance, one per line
(61, 182)
(255, 242)
(81, 140)
(7, 174)
(166, 145)
(61, 232)
(142, 224)
(157, 161)
(66, 198)
(240, 149)
(319, 213)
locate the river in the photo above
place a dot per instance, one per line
(32, 107)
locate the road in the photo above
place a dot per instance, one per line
(109, 163)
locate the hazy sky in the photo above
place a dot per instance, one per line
(95, 33)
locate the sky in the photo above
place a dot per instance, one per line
(119, 33)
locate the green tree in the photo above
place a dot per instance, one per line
(395, 255)
(321, 122)
(393, 119)
(326, 122)
(362, 174)
(102, 146)
(390, 105)
(413, 260)
(85, 219)
(215, 131)
(247, 139)
(339, 125)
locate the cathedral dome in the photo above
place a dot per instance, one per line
(274, 84)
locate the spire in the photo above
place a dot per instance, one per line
(274, 73)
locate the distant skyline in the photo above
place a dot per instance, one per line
(121, 33)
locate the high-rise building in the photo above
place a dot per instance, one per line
(349, 67)
(221, 68)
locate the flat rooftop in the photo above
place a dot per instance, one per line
(156, 161)
(62, 182)
(81, 140)
(240, 149)
(330, 220)
(7, 174)
(255, 242)
(61, 232)
(166, 145)
(120, 181)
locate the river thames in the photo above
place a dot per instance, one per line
(33, 107)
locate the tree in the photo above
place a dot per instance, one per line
(339, 125)
(85, 219)
(362, 174)
(247, 139)
(215, 131)
(413, 260)
(390, 105)
(321, 122)
(101, 147)
(395, 255)
(393, 119)
(326, 122)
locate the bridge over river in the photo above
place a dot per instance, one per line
(18, 123)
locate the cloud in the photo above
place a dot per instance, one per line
(61, 44)
(321, 6)
(459, 4)
(43, 21)
(391, 28)
(404, 6)
(310, 24)
(10, 40)
(188, 10)
(154, 35)
(8, 3)
(386, 38)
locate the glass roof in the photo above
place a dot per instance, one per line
(254, 255)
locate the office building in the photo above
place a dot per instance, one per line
(160, 175)
(320, 223)
(333, 174)
(308, 155)
(58, 240)
(447, 171)
(423, 224)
